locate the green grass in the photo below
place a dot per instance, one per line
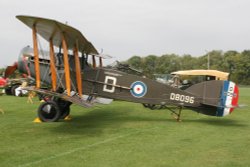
(123, 134)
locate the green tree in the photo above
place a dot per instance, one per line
(237, 64)
(135, 62)
(242, 71)
(187, 62)
(149, 65)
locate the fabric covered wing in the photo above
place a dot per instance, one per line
(51, 29)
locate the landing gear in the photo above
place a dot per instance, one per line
(64, 107)
(65, 112)
(8, 91)
(53, 110)
(176, 115)
(153, 106)
(49, 111)
(13, 90)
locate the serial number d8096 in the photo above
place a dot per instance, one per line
(182, 98)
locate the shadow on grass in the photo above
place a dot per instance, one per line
(98, 120)
(95, 122)
(219, 122)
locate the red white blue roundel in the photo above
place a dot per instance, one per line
(138, 89)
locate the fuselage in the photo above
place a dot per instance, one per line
(108, 83)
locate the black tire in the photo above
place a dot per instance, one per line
(65, 112)
(64, 107)
(13, 90)
(150, 106)
(49, 111)
(8, 91)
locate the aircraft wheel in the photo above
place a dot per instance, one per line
(49, 111)
(13, 89)
(150, 106)
(8, 91)
(145, 105)
(65, 112)
(64, 107)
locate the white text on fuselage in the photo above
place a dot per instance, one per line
(182, 98)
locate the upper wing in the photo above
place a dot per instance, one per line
(51, 29)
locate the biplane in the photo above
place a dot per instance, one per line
(72, 78)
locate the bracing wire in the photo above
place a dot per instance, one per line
(43, 55)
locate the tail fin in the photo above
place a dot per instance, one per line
(219, 98)
(229, 98)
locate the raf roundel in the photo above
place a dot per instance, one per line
(138, 89)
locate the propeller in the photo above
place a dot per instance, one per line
(10, 70)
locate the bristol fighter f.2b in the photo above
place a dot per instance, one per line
(73, 79)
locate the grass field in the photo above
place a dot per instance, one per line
(123, 135)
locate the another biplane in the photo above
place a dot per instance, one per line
(186, 78)
(74, 80)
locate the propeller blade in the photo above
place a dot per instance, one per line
(10, 70)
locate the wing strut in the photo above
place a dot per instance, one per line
(78, 71)
(52, 65)
(93, 61)
(100, 62)
(66, 64)
(36, 57)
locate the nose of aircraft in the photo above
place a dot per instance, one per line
(23, 60)
(21, 64)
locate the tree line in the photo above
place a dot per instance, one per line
(236, 63)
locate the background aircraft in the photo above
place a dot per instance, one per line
(71, 78)
(3, 82)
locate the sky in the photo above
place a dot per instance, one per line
(124, 28)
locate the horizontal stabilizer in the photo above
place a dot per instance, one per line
(231, 106)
